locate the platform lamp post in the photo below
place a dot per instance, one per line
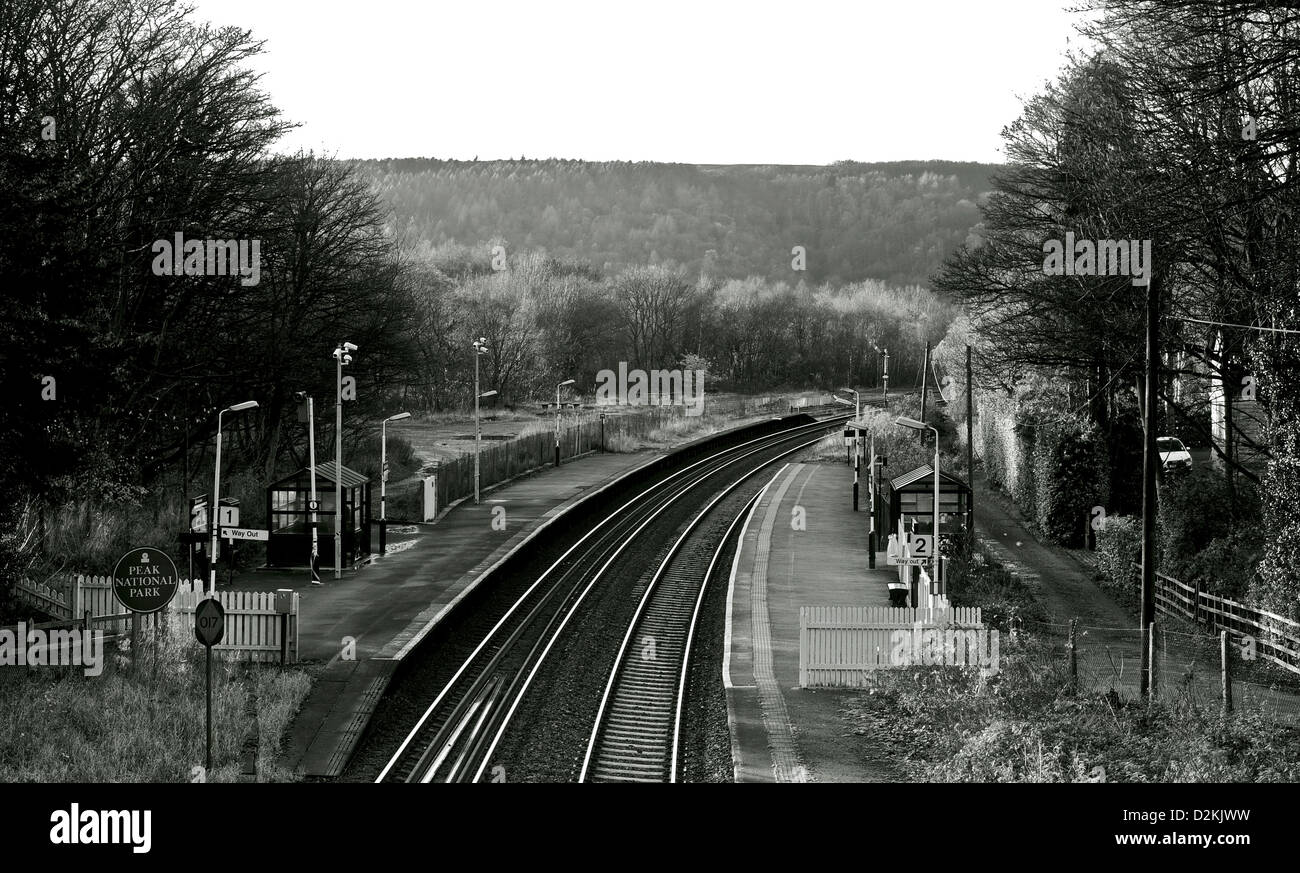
(313, 504)
(342, 357)
(857, 403)
(885, 375)
(557, 418)
(383, 479)
(214, 522)
(480, 348)
(920, 425)
(478, 437)
(857, 442)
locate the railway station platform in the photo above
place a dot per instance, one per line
(780, 732)
(387, 606)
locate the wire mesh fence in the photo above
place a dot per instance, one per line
(1188, 668)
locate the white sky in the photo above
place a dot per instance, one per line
(806, 82)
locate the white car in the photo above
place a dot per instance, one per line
(1173, 454)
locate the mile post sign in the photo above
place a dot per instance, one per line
(145, 580)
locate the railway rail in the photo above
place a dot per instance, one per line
(456, 736)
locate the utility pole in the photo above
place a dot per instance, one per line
(970, 446)
(925, 381)
(1150, 461)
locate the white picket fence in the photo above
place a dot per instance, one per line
(840, 646)
(253, 626)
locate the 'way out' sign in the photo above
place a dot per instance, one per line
(144, 580)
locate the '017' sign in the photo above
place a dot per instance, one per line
(144, 580)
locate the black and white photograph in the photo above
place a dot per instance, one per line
(904, 395)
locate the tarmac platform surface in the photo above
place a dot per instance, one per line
(363, 624)
(803, 545)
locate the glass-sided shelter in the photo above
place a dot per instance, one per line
(911, 498)
(288, 517)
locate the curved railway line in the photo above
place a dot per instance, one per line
(636, 733)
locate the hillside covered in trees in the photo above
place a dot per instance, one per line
(890, 221)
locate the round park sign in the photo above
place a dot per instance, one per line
(144, 580)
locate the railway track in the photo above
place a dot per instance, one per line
(637, 735)
(456, 736)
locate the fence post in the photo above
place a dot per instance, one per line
(135, 640)
(1196, 604)
(1151, 660)
(1074, 661)
(1225, 672)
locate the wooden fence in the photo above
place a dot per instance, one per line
(253, 625)
(1277, 639)
(500, 461)
(842, 645)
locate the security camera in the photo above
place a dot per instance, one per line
(347, 359)
(349, 347)
(300, 396)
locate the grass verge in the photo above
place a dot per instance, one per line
(143, 722)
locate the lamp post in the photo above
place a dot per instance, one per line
(557, 418)
(215, 521)
(857, 443)
(314, 503)
(885, 376)
(383, 479)
(342, 357)
(480, 348)
(920, 425)
(857, 404)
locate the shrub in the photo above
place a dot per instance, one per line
(1226, 567)
(1191, 514)
(1070, 471)
(1276, 588)
(1119, 546)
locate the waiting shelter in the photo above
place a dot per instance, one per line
(288, 516)
(911, 498)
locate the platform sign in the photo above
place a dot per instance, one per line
(145, 580)
(209, 622)
(313, 506)
(244, 533)
(921, 545)
(228, 516)
(209, 630)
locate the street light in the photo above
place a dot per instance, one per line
(480, 348)
(920, 425)
(557, 418)
(215, 521)
(314, 503)
(383, 479)
(857, 404)
(343, 357)
(885, 377)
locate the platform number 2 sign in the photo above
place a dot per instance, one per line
(921, 545)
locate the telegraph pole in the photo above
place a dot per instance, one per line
(925, 381)
(1150, 461)
(970, 445)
